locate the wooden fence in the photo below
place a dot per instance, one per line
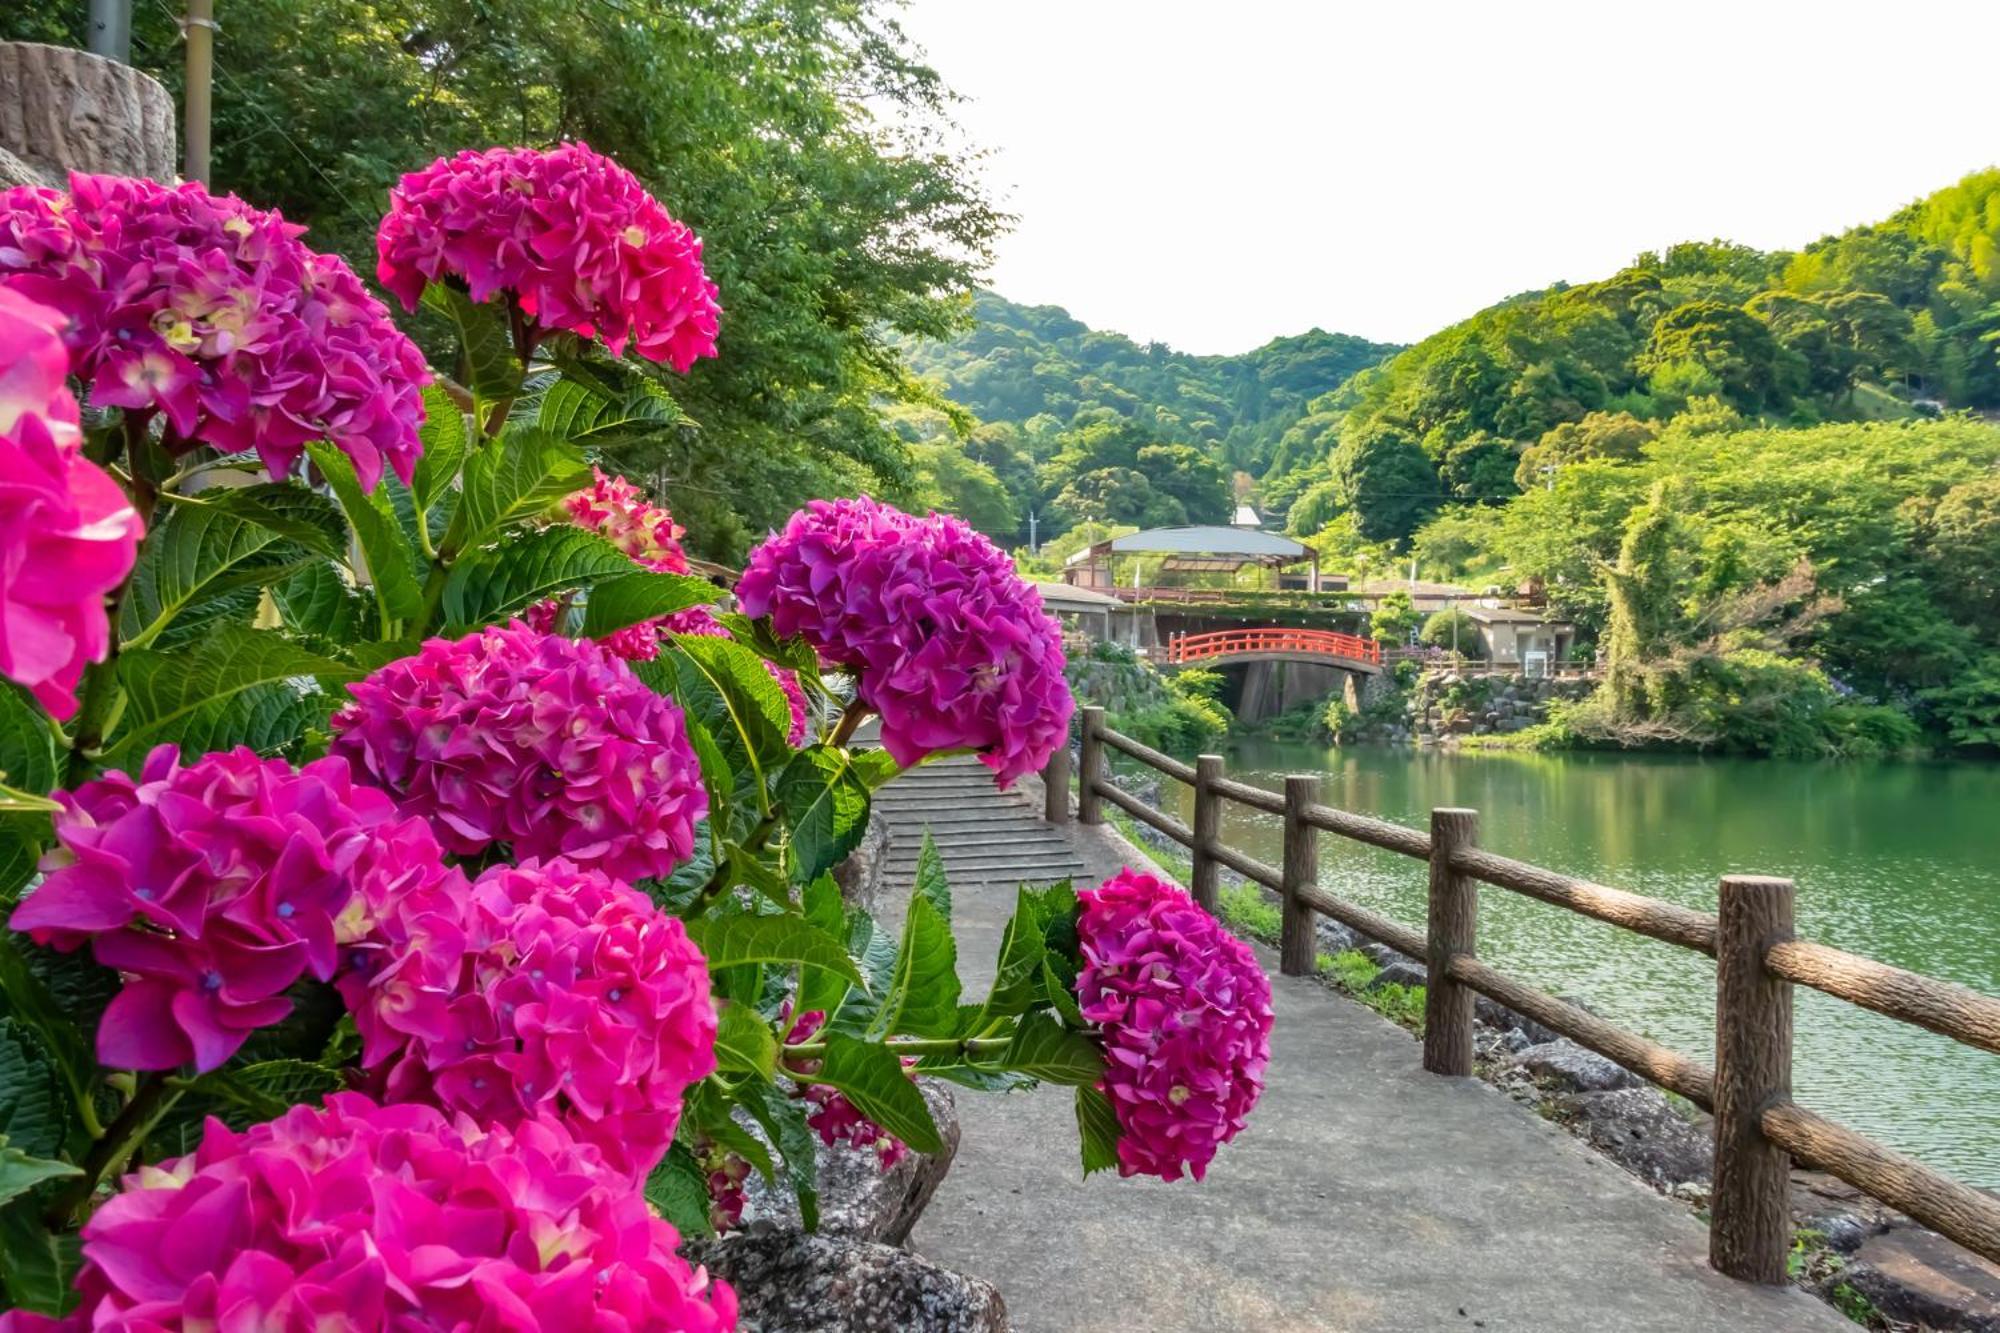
(1759, 1129)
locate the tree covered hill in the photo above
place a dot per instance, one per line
(1045, 371)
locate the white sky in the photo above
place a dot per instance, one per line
(1215, 174)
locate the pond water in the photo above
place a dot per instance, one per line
(1898, 862)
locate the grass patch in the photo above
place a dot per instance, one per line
(1812, 1263)
(1245, 910)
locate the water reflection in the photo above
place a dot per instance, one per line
(1895, 861)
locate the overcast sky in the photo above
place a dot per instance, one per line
(1216, 174)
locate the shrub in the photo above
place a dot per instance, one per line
(1453, 630)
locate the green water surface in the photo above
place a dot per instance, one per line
(1900, 862)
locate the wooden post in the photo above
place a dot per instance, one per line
(1090, 771)
(1750, 1228)
(1452, 930)
(1055, 786)
(1297, 945)
(1207, 829)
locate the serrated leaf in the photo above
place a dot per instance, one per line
(33, 1114)
(819, 989)
(1017, 980)
(642, 595)
(875, 768)
(444, 439)
(51, 1017)
(487, 364)
(495, 582)
(732, 941)
(744, 1043)
(39, 1264)
(783, 1121)
(875, 1081)
(235, 683)
(678, 1191)
(1097, 1126)
(825, 807)
(724, 686)
(205, 557)
(601, 417)
(267, 1089)
(21, 1172)
(506, 481)
(875, 947)
(391, 562)
(27, 742)
(922, 1000)
(317, 600)
(931, 884)
(1043, 1048)
(708, 1109)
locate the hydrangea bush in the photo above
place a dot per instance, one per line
(411, 866)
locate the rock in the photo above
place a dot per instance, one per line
(1637, 1129)
(1382, 955)
(857, 1199)
(65, 110)
(1402, 972)
(1574, 1069)
(1917, 1276)
(792, 1282)
(1332, 937)
(13, 171)
(1495, 1014)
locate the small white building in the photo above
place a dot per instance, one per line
(1519, 638)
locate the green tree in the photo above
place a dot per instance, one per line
(1964, 539)
(1617, 436)
(1384, 477)
(1730, 344)
(956, 484)
(1644, 595)
(1395, 618)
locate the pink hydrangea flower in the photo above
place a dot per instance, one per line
(546, 989)
(68, 535)
(396, 1218)
(211, 313)
(833, 1117)
(571, 233)
(618, 511)
(213, 887)
(947, 642)
(1184, 1017)
(548, 745)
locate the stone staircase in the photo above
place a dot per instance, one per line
(985, 835)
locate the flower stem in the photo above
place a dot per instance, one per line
(909, 1046)
(850, 722)
(154, 1098)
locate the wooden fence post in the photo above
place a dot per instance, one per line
(1055, 786)
(1297, 942)
(1452, 929)
(1090, 769)
(1207, 829)
(1750, 1227)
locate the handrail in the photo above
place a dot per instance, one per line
(1184, 648)
(1759, 1130)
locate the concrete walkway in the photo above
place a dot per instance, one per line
(1366, 1194)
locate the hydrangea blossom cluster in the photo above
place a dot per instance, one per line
(727, 1175)
(68, 535)
(571, 233)
(833, 1117)
(213, 314)
(1184, 1014)
(547, 989)
(547, 744)
(399, 1217)
(949, 644)
(213, 887)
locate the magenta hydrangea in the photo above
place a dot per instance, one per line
(620, 512)
(215, 886)
(214, 315)
(545, 989)
(68, 534)
(572, 234)
(358, 1216)
(947, 642)
(548, 745)
(1184, 1016)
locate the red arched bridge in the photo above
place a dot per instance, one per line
(1350, 652)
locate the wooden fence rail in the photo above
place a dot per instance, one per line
(1759, 1129)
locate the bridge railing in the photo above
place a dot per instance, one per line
(1759, 1129)
(1275, 639)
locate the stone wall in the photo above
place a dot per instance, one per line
(63, 110)
(1446, 705)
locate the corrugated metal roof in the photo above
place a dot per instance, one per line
(1069, 597)
(1246, 546)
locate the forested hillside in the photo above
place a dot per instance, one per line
(1077, 423)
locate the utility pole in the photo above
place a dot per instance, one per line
(111, 30)
(1034, 546)
(198, 29)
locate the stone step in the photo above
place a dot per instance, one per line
(1023, 867)
(996, 837)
